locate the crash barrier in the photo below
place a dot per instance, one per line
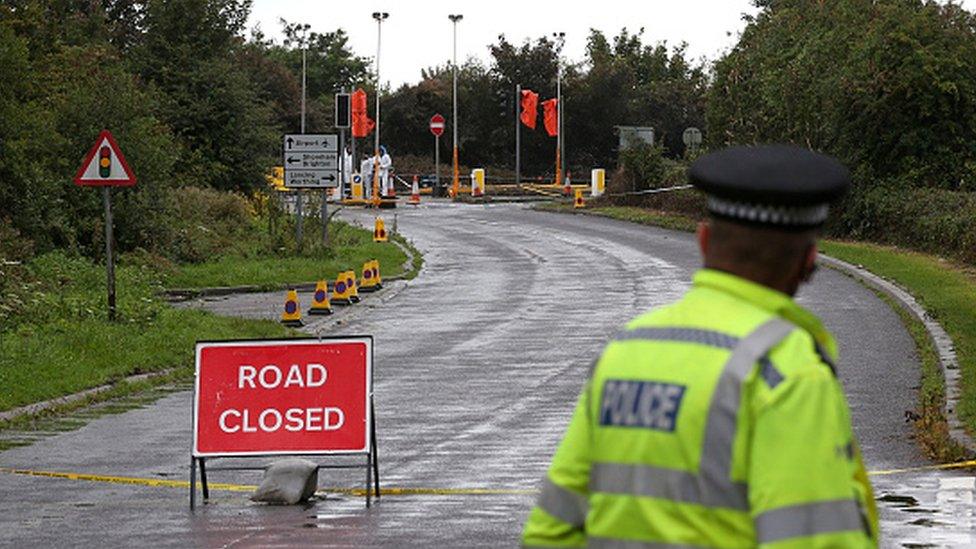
(321, 305)
(379, 231)
(415, 191)
(292, 314)
(578, 202)
(598, 177)
(478, 182)
(294, 397)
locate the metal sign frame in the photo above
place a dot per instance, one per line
(308, 146)
(370, 451)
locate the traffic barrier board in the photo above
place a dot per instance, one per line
(296, 396)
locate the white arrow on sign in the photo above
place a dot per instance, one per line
(314, 160)
(311, 143)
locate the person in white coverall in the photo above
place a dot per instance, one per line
(366, 170)
(347, 169)
(386, 167)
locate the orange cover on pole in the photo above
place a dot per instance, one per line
(362, 124)
(550, 116)
(530, 108)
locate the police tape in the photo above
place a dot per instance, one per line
(391, 491)
(153, 482)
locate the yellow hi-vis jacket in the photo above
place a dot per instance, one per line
(717, 421)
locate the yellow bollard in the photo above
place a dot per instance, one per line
(368, 280)
(292, 316)
(478, 182)
(578, 202)
(340, 291)
(351, 284)
(379, 231)
(376, 274)
(597, 182)
(320, 300)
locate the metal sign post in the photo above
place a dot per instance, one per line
(105, 167)
(518, 134)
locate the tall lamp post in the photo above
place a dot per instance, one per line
(380, 17)
(454, 119)
(560, 140)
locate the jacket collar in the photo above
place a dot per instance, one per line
(768, 299)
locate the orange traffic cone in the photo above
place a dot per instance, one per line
(578, 202)
(292, 316)
(320, 300)
(414, 192)
(379, 231)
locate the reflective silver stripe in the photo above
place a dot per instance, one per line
(616, 543)
(720, 426)
(769, 373)
(822, 517)
(669, 484)
(686, 335)
(563, 503)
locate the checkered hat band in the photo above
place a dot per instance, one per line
(772, 215)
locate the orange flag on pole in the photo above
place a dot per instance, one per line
(550, 116)
(530, 108)
(362, 124)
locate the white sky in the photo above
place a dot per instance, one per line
(417, 34)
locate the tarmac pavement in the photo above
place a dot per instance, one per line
(478, 364)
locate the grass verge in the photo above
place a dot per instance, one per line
(64, 344)
(947, 291)
(349, 248)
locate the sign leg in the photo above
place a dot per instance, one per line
(369, 484)
(109, 260)
(375, 451)
(193, 482)
(203, 480)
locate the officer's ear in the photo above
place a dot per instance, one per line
(810, 263)
(704, 235)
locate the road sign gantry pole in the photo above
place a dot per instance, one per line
(518, 135)
(560, 142)
(455, 187)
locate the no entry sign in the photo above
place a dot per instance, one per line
(306, 396)
(437, 125)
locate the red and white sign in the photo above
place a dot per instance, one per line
(105, 165)
(304, 396)
(437, 125)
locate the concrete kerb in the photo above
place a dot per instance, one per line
(38, 407)
(943, 343)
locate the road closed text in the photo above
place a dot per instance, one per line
(269, 420)
(283, 396)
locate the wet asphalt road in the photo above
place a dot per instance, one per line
(478, 363)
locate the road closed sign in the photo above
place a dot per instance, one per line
(306, 396)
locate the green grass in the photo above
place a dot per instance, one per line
(350, 247)
(945, 289)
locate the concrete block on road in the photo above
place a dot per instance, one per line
(287, 482)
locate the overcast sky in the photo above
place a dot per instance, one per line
(418, 33)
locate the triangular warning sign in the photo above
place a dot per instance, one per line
(105, 165)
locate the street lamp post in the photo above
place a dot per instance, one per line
(454, 120)
(380, 17)
(560, 140)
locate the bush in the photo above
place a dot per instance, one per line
(925, 219)
(210, 223)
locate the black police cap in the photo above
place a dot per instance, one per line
(777, 185)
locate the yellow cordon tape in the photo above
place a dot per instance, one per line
(393, 491)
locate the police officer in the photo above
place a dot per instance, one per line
(718, 421)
